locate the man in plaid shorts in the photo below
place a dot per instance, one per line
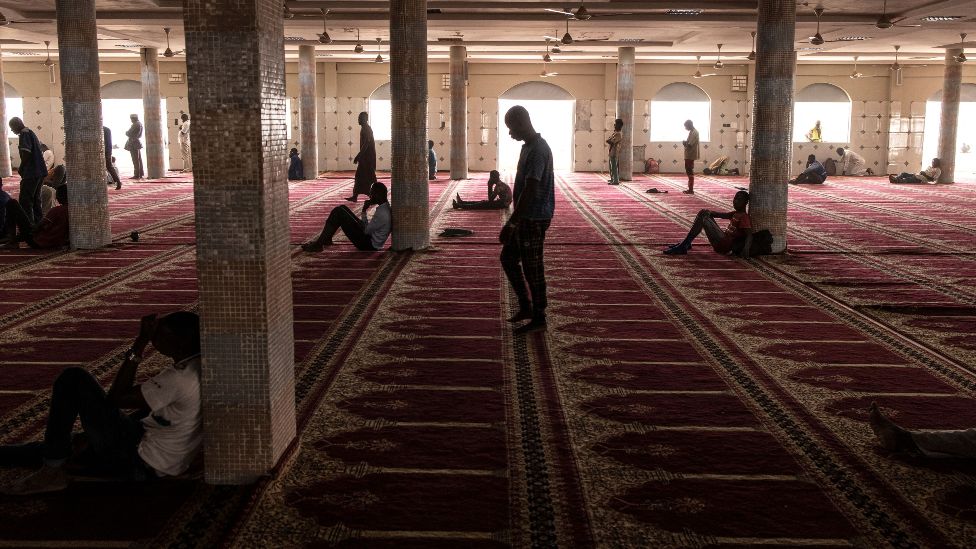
(523, 236)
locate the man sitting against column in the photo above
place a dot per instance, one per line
(32, 169)
(928, 175)
(51, 232)
(364, 233)
(852, 163)
(109, 161)
(692, 153)
(614, 153)
(134, 146)
(948, 443)
(814, 173)
(524, 235)
(499, 196)
(739, 231)
(163, 435)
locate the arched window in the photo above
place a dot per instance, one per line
(381, 113)
(13, 106)
(676, 103)
(825, 103)
(120, 99)
(552, 110)
(965, 133)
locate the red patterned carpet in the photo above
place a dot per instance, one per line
(694, 401)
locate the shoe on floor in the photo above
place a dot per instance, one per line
(352, 199)
(312, 247)
(688, 191)
(536, 325)
(676, 250)
(524, 314)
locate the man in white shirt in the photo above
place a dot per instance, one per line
(928, 175)
(364, 233)
(184, 138)
(852, 163)
(161, 438)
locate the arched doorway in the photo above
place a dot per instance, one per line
(13, 106)
(828, 104)
(380, 113)
(965, 133)
(675, 103)
(552, 110)
(120, 99)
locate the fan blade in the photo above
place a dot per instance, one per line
(896, 22)
(571, 14)
(547, 37)
(609, 14)
(709, 74)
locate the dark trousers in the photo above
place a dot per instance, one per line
(481, 205)
(906, 177)
(17, 219)
(809, 178)
(523, 264)
(690, 172)
(112, 437)
(112, 170)
(343, 218)
(705, 222)
(30, 198)
(137, 170)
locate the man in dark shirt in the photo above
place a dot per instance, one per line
(32, 169)
(134, 146)
(523, 236)
(109, 166)
(814, 173)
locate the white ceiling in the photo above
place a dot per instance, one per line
(513, 30)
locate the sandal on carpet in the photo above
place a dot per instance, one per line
(654, 190)
(456, 232)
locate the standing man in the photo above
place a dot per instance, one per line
(615, 138)
(32, 170)
(523, 236)
(691, 154)
(109, 165)
(365, 160)
(134, 146)
(185, 141)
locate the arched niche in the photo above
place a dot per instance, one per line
(536, 91)
(380, 111)
(829, 104)
(122, 89)
(675, 103)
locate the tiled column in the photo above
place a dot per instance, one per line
(459, 114)
(236, 81)
(949, 124)
(408, 90)
(5, 146)
(307, 113)
(772, 115)
(153, 116)
(625, 110)
(83, 139)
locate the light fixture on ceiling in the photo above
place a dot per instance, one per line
(940, 18)
(324, 38)
(752, 54)
(547, 58)
(359, 44)
(817, 39)
(961, 58)
(567, 38)
(3, 20)
(698, 73)
(556, 49)
(855, 75)
(379, 57)
(718, 61)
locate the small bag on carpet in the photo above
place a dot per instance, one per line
(762, 244)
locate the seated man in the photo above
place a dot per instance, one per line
(930, 443)
(738, 232)
(161, 438)
(296, 170)
(56, 176)
(366, 234)
(814, 173)
(431, 161)
(928, 175)
(51, 232)
(499, 196)
(4, 198)
(852, 163)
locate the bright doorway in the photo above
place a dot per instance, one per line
(552, 110)
(965, 133)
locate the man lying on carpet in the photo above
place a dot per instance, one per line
(499, 196)
(814, 173)
(160, 438)
(364, 233)
(932, 444)
(739, 231)
(51, 232)
(928, 175)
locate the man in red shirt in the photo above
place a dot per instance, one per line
(739, 229)
(51, 232)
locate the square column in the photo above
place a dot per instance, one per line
(625, 110)
(307, 113)
(152, 113)
(408, 91)
(772, 118)
(459, 114)
(236, 79)
(84, 144)
(949, 123)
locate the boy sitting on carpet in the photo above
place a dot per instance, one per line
(364, 233)
(738, 231)
(51, 232)
(930, 443)
(499, 196)
(161, 438)
(814, 173)
(928, 175)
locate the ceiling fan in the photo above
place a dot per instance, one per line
(719, 65)
(324, 38)
(897, 67)
(817, 39)
(582, 14)
(545, 71)
(752, 54)
(567, 38)
(359, 44)
(886, 22)
(49, 63)
(855, 75)
(547, 58)
(698, 73)
(961, 58)
(168, 52)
